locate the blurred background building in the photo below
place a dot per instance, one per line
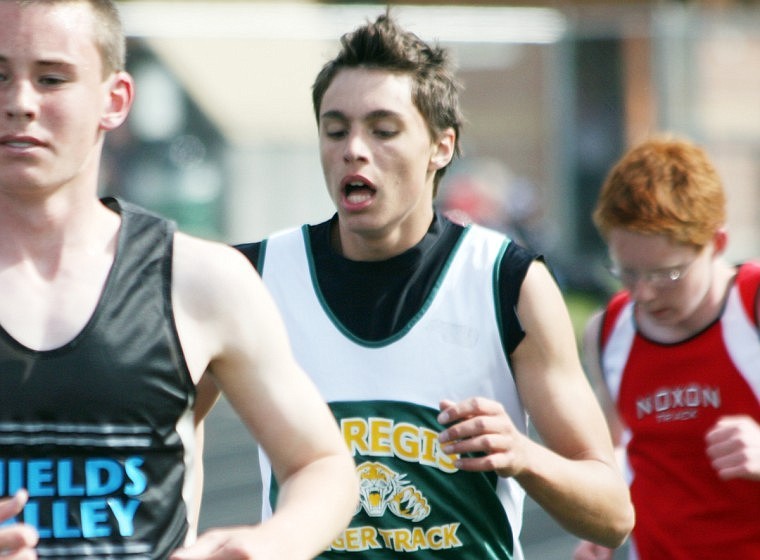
(223, 137)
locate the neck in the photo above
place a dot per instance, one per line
(40, 229)
(379, 244)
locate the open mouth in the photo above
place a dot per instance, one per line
(357, 192)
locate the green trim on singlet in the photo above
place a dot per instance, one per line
(497, 297)
(262, 256)
(413, 321)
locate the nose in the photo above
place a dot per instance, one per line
(641, 289)
(19, 100)
(355, 147)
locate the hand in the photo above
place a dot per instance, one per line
(589, 551)
(17, 541)
(233, 543)
(733, 445)
(482, 426)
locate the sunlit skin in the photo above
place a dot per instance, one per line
(55, 102)
(58, 245)
(676, 311)
(372, 136)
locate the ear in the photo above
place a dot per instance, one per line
(443, 149)
(720, 241)
(120, 94)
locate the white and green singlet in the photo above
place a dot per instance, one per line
(385, 393)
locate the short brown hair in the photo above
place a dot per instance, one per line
(108, 32)
(384, 45)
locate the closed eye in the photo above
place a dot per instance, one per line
(335, 135)
(52, 80)
(45, 81)
(384, 133)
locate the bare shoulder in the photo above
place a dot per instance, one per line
(210, 269)
(539, 280)
(193, 254)
(549, 349)
(540, 296)
(218, 300)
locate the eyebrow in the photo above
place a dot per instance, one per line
(44, 63)
(372, 115)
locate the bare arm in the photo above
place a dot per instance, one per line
(206, 396)
(239, 328)
(573, 476)
(587, 550)
(592, 365)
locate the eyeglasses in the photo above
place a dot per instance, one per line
(661, 278)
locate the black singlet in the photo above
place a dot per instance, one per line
(92, 429)
(375, 300)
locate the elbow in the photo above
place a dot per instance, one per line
(619, 527)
